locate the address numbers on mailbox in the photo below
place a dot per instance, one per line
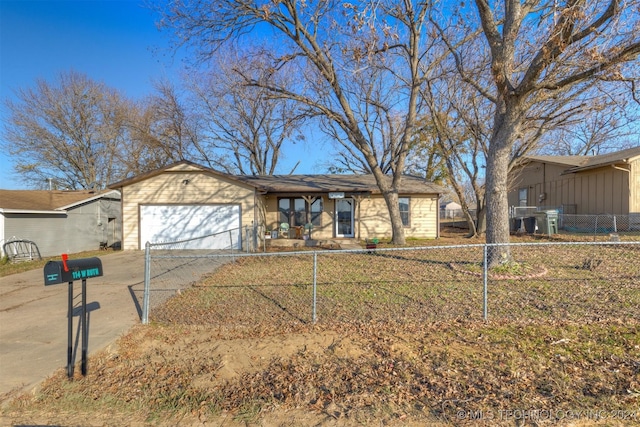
(57, 272)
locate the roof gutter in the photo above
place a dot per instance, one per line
(621, 169)
(586, 168)
(29, 211)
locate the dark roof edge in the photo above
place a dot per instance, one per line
(156, 172)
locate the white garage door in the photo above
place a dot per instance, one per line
(172, 223)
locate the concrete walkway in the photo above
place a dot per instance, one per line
(33, 318)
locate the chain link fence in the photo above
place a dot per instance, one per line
(587, 281)
(171, 267)
(600, 223)
(530, 218)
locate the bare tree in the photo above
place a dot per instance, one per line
(463, 145)
(460, 123)
(381, 122)
(68, 131)
(244, 123)
(608, 122)
(163, 130)
(426, 157)
(329, 45)
(542, 53)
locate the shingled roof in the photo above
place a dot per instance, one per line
(365, 183)
(569, 161)
(619, 157)
(42, 200)
(580, 163)
(338, 183)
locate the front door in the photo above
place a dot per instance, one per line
(344, 217)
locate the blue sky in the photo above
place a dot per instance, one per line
(113, 41)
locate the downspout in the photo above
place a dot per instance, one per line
(121, 219)
(544, 181)
(1, 233)
(359, 222)
(621, 169)
(438, 216)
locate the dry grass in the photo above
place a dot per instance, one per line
(367, 373)
(8, 268)
(400, 341)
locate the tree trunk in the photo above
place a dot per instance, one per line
(497, 203)
(391, 198)
(471, 224)
(481, 220)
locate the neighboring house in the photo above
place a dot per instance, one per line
(450, 210)
(186, 200)
(61, 221)
(603, 184)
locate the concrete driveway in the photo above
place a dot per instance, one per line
(33, 318)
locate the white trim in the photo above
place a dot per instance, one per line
(90, 199)
(31, 211)
(337, 220)
(2, 236)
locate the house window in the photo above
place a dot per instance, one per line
(295, 211)
(284, 207)
(403, 202)
(299, 212)
(522, 196)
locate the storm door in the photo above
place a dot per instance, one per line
(344, 217)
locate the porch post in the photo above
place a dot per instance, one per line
(357, 199)
(309, 200)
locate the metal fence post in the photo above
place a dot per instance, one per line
(147, 283)
(231, 240)
(315, 270)
(485, 274)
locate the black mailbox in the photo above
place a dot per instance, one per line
(76, 269)
(69, 270)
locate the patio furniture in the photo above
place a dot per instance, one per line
(284, 230)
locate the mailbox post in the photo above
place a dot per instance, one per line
(67, 270)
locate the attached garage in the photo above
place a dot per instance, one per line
(188, 223)
(186, 201)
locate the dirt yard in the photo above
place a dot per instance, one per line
(355, 375)
(189, 368)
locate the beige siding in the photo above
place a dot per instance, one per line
(171, 187)
(603, 191)
(423, 218)
(371, 217)
(540, 180)
(374, 219)
(598, 191)
(634, 186)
